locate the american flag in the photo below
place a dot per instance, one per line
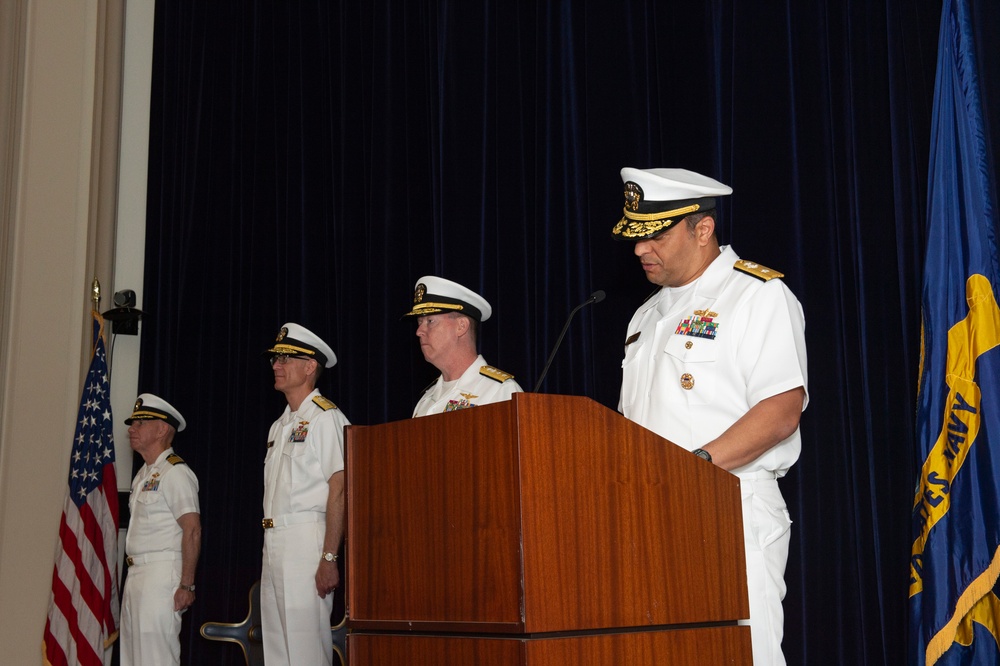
(83, 609)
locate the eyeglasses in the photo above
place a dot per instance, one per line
(282, 359)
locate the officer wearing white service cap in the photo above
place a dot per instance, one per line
(163, 539)
(448, 317)
(715, 361)
(303, 505)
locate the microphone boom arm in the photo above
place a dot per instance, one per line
(596, 297)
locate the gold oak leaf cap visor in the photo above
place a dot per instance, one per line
(657, 199)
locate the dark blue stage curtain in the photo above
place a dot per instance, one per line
(310, 160)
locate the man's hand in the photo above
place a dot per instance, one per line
(183, 599)
(327, 578)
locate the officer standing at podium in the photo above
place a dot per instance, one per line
(304, 506)
(448, 318)
(163, 539)
(715, 361)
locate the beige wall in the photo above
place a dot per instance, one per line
(60, 84)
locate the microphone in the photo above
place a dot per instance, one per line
(595, 297)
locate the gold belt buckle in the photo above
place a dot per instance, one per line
(129, 560)
(267, 523)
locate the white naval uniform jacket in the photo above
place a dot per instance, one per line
(161, 493)
(698, 357)
(480, 384)
(305, 448)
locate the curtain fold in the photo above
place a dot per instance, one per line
(310, 161)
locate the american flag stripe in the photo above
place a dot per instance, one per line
(83, 610)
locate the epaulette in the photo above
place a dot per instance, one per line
(175, 459)
(760, 272)
(495, 373)
(324, 404)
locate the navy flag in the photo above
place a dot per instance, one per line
(955, 557)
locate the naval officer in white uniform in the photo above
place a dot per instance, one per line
(303, 505)
(715, 361)
(163, 539)
(448, 318)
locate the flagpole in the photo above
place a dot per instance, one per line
(95, 294)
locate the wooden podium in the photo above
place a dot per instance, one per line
(539, 531)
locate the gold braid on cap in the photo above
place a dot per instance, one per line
(285, 348)
(639, 225)
(441, 306)
(146, 414)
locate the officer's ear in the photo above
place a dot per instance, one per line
(462, 324)
(705, 229)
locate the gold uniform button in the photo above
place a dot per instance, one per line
(688, 344)
(687, 381)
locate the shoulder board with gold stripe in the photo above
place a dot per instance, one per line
(760, 272)
(324, 404)
(495, 373)
(175, 459)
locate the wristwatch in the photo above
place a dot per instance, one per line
(702, 453)
(330, 557)
(189, 588)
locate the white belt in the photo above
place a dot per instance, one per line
(293, 519)
(162, 556)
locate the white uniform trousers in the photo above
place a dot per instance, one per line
(295, 622)
(766, 533)
(150, 626)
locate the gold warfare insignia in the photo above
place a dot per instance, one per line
(756, 270)
(469, 396)
(324, 404)
(281, 334)
(633, 195)
(418, 293)
(495, 373)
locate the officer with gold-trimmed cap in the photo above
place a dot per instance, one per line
(448, 318)
(299, 342)
(163, 540)
(304, 513)
(715, 361)
(656, 199)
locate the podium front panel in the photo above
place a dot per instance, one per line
(434, 523)
(540, 514)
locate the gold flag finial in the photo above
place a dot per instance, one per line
(95, 293)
